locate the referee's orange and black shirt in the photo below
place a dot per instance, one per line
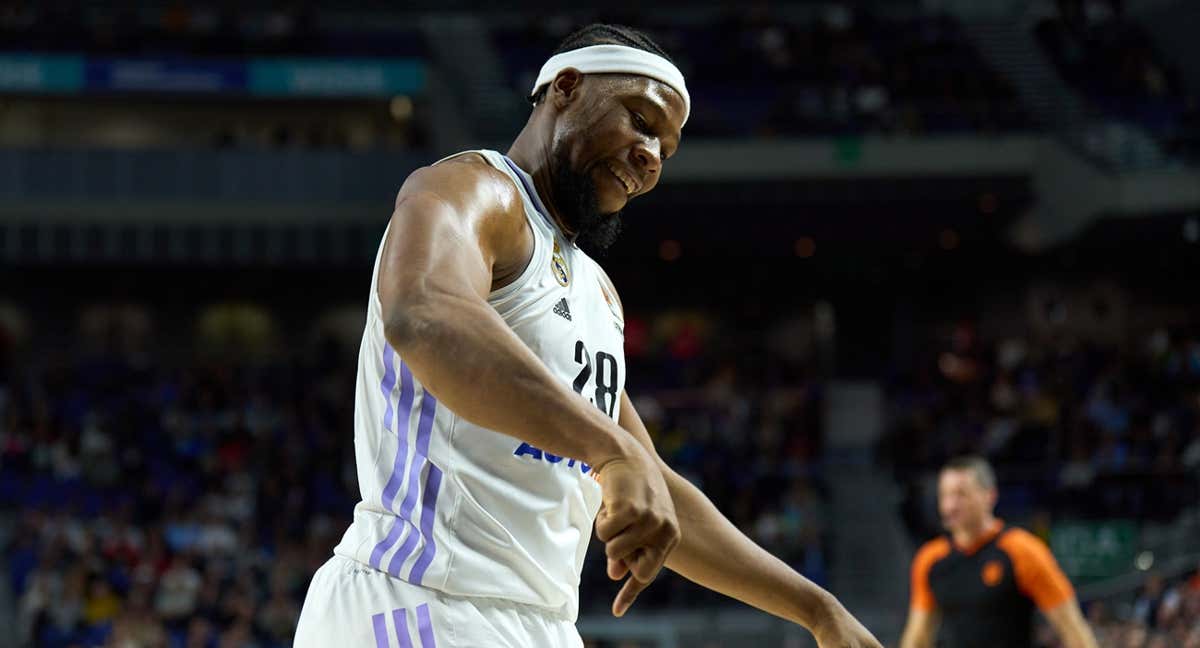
(986, 593)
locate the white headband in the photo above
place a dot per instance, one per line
(607, 59)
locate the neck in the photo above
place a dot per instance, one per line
(532, 153)
(969, 535)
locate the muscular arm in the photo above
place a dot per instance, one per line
(713, 553)
(453, 226)
(920, 630)
(1070, 625)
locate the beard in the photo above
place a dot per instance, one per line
(579, 206)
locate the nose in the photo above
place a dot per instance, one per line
(647, 155)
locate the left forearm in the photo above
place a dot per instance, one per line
(1071, 627)
(713, 553)
(1080, 637)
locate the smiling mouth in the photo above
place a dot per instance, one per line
(631, 185)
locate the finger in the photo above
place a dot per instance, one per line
(617, 569)
(611, 525)
(625, 598)
(645, 564)
(625, 543)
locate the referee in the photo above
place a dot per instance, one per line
(981, 581)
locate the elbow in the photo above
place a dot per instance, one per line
(408, 321)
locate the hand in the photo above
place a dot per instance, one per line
(839, 629)
(636, 523)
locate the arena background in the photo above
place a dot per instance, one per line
(895, 231)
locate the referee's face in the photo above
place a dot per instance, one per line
(963, 502)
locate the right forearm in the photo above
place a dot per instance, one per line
(465, 354)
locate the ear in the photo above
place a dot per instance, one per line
(565, 87)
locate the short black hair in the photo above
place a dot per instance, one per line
(602, 34)
(985, 476)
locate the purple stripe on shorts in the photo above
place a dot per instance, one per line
(420, 458)
(425, 626)
(381, 640)
(400, 619)
(428, 508)
(397, 477)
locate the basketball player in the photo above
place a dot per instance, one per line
(982, 580)
(492, 427)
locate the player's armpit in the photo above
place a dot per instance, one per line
(1070, 625)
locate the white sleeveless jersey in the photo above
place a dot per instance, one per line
(456, 507)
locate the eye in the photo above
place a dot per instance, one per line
(640, 122)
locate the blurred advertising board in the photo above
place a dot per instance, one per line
(283, 77)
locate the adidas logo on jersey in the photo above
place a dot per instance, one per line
(562, 309)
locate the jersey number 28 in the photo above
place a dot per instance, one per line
(606, 377)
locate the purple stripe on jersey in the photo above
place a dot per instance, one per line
(397, 477)
(388, 542)
(404, 412)
(386, 385)
(420, 458)
(433, 483)
(381, 640)
(400, 619)
(425, 626)
(405, 549)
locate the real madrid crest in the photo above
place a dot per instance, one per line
(558, 265)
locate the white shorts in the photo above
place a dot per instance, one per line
(353, 605)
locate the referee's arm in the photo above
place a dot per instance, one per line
(923, 618)
(1040, 578)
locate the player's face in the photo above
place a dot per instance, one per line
(608, 147)
(636, 127)
(962, 501)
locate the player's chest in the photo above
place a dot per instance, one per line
(573, 322)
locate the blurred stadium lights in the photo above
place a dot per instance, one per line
(401, 108)
(806, 247)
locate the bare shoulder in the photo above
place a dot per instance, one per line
(466, 183)
(482, 200)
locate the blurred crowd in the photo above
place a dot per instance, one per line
(1077, 429)
(196, 29)
(843, 71)
(1113, 60)
(187, 501)
(1163, 613)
